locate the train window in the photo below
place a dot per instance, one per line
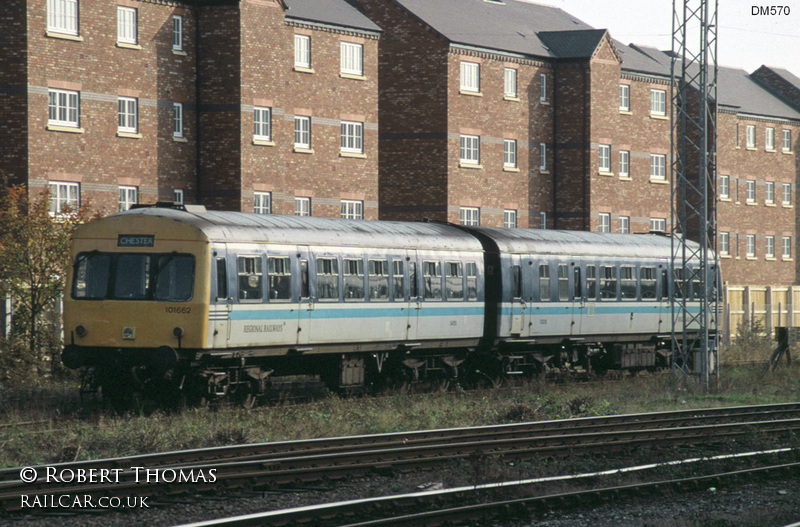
(627, 277)
(398, 280)
(378, 280)
(222, 278)
(327, 279)
(544, 282)
(576, 282)
(664, 285)
(696, 289)
(412, 280)
(516, 281)
(92, 272)
(591, 282)
(250, 276)
(472, 281)
(304, 279)
(648, 282)
(353, 279)
(454, 281)
(563, 282)
(173, 277)
(279, 271)
(432, 278)
(678, 284)
(608, 282)
(132, 277)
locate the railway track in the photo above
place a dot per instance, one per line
(276, 465)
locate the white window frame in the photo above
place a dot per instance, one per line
(64, 193)
(604, 158)
(510, 153)
(262, 202)
(470, 76)
(658, 225)
(179, 195)
(302, 51)
(128, 115)
(510, 83)
(542, 220)
(750, 133)
(542, 157)
(470, 149)
(542, 87)
(352, 209)
(750, 251)
(769, 193)
(177, 119)
(750, 191)
(63, 108)
(510, 219)
(604, 222)
(128, 196)
(769, 139)
(725, 244)
(63, 16)
(724, 186)
(470, 216)
(177, 32)
(624, 163)
(262, 123)
(786, 247)
(351, 60)
(786, 191)
(624, 97)
(624, 224)
(302, 132)
(658, 102)
(658, 167)
(127, 25)
(787, 140)
(769, 246)
(302, 206)
(352, 137)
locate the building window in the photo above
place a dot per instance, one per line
(510, 219)
(787, 193)
(63, 108)
(624, 163)
(542, 220)
(302, 206)
(470, 76)
(352, 137)
(62, 16)
(177, 32)
(63, 194)
(128, 197)
(725, 187)
(787, 140)
(658, 167)
(302, 132)
(658, 225)
(751, 136)
(302, 51)
(751, 191)
(624, 97)
(352, 210)
(510, 82)
(510, 153)
(179, 196)
(543, 87)
(352, 58)
(786, 242)
(262, 202)
(604, 224)
(177, 119)
(751, 246)
(127, 31)
(658, 102)
(769, 193)
(624, 224)
(725, 243)
(128, 115)
(605, 158)
(470, 216)
(769, 247)
(470, 149)
(262, 123)
(543, 157)
(769, 139)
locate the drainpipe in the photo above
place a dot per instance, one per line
(585, 148)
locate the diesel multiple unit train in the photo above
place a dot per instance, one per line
(209, 304)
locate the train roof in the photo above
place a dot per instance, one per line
(244, 227)
(578, 243)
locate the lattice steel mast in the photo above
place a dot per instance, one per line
(694, 211)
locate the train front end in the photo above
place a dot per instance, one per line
(136, 304)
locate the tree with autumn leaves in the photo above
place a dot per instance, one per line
(34, 257)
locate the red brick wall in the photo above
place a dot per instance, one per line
(13, 121)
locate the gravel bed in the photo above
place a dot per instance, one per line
(766, 504)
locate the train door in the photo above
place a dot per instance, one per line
(578, 297)
(414, 302)
(520, 297)
(305, 306)
(222, 301)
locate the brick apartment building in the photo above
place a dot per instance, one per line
(264, 105)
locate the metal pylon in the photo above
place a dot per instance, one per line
(694, 211)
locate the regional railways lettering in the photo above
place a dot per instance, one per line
(263, 328)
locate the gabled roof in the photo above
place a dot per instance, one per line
(786, 75)
(329, 12)
(572, 44)
(510, 26)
